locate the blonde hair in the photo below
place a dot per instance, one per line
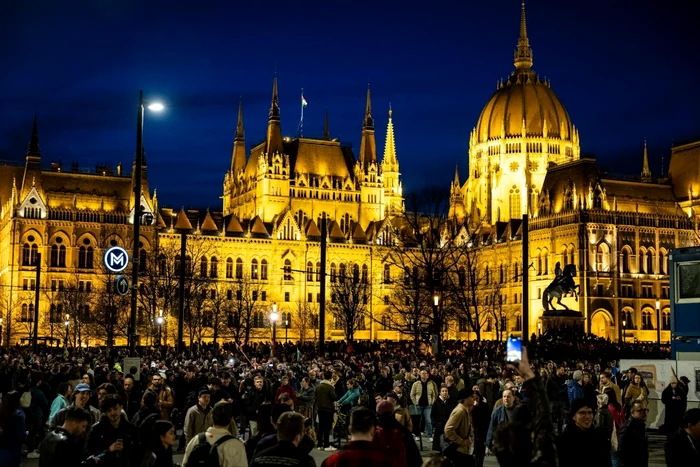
(602, 400)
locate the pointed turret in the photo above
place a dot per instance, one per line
(33, 149)
(238, 156)
(274, 130)
(368, 146)
(326, 134)
(32, 166)
(523, 54)
(646, 173)
(390, 145)
(456, 180)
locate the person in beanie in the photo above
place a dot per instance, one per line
(392, 436)
(459, 431)
(580, 431)
(199, 417)
(574, 388)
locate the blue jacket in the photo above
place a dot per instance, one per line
(350, 397)
(11, 453)
(58, 404)
(574, 390)
(498, 418)
(40, 405)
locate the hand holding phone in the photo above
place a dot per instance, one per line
(514, 349)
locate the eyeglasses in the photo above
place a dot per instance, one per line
(641, 410)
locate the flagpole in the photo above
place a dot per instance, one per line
(301, 122)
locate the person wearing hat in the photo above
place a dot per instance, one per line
(81, 399)
(574, 388)
(675, 400)
(392, 436)
(581, 433)
(199, 416)
(458, 445)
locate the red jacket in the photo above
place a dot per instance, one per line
(288, 389)
(363, 453)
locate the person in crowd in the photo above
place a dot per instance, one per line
(402, 415)
(451, 388)
(606, 382)
(481, 419)
(351, 396)
(581, 431)
(271, 439)
(633, 444)
(439, 415)
(165, 399)
(384, 383)
(325, 397)
(361, 450)
(393, 437)
(133, 396)
(286, 388)
(61, 401)
(574, 388)
(63, 445)
(501, 415)
(198, 417)
(683, 448)
(423, 395)
(305, 399)
(12, 430)
(675, 399)
(557, 394)
(230, 450)
(149, 399)
(160, 451)
(459, 431)
(604, 421)
(39, 410)
(113, 439)
(253, 398)
(290, 432)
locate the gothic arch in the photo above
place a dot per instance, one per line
(602, 323)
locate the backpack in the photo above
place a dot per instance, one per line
(26, 400)
(205, 454)
(391, 439)
(147, 425)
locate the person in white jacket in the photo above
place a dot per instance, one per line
(232, 452)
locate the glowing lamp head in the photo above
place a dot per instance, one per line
(274, 316)
(658, 304)
(160, 320)
(624, 323)
(156, 106)
(436, 299)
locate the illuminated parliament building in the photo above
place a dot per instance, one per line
(524, 157)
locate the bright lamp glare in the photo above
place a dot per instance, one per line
(156, 106)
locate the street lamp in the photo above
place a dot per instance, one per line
(160, 321)
(286, 329)
(157, 107)
(658, 321)
(66, 323)
(624, 330)
(274, 317)
(539, 328)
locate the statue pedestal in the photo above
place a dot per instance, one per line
(562, 319)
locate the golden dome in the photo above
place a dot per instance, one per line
(524, 98)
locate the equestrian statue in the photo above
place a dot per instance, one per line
(562, 285)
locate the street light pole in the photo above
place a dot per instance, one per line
(658, 321)
(273, 317)
(624, 330)
(137, 225)
(286, 330)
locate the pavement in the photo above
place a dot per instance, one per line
(656, 454)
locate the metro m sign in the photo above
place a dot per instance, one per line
(116, 259)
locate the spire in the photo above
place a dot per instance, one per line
(326, 134)
(390, 145)
(33, 148)
(456, 182)
(238, 156)
(646, 173)
(369, 121)
(274, 132)
(523, 54)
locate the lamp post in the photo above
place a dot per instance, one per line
(1, 333)
(274, 317)
(624, 330)
(66, 323)
(160, 320)
(539, 328)
(658, 321)
(436, 336)
(157, 107)
(286, 329)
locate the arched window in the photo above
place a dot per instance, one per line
(598, 199)
(515, 203)
(318, 271)
(254, 269)
(356, 273)
(343, 271)
(518, 322)
(309, 272)
(263, 270)
(82, 253)
(643, 260)
(663, 261)
(62, 256)
(647, 324)
(545, 261)
(602, 257)
(539, 262)
(650, 261)
(516, 272)
(572, 255)
(203, 267)
(666, 320)
(214, 267)
(387, 274)
(288, 270)
(239, 268)
(627, 319)
(25, 254)
(626, 258)
(487, 275)
(54, 256)
(229, 268)
(142, 260)
(462, 276)
(333, 273)
(364, 274)
(501, 273)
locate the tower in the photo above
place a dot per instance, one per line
(393, 191)
(646, 173)
(367, 170)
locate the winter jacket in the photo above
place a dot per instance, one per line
(498, 417)
(197, 421)
(231, 452)
(584, 448)
(166, 399)
(60, 449)
(40, 405)
(11, 441)
(680, 451)
(325, 396)
(633, 445)
(417, 392)
(574, 391)
(459, 428)
(104, 434)
(350, 397)
(58, 404)
(305, 397)
(288, 389)
(284, 454)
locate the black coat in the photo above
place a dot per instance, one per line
(60, 449)
(283, 453)
(584, 448)
(104, 434)
(675, 408)
(680, 452)
(633, 447)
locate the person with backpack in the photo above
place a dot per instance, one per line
(199, 417)
(217, 447)
(325, 397)
(290, 432)
(393, 437)
(360, 450)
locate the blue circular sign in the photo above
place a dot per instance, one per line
(116, 259)
(121, 285)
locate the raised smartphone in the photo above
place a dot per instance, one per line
(514, 349)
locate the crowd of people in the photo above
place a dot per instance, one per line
(367, 403)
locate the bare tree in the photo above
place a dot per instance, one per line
(110, 314)
(246, 302)
(220, 308)
(348, 305)
(76, 301)
(197, 283)
(11, 311)
(306, 319)
(158, 283)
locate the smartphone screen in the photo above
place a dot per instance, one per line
(514, 349)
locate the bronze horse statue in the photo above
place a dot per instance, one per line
(559, 288)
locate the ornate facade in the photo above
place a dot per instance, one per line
(524, 157)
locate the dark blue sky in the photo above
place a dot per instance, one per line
(625, 70)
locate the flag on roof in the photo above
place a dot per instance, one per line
(303, 101)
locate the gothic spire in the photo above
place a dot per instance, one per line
(390, 145)
(523, 53)
(238, 156)
(456, 182)
(33, 147)
(369, 121)
(368, 146)
(274, 131)
(646, 173)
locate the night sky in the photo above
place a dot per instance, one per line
(625, 70)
